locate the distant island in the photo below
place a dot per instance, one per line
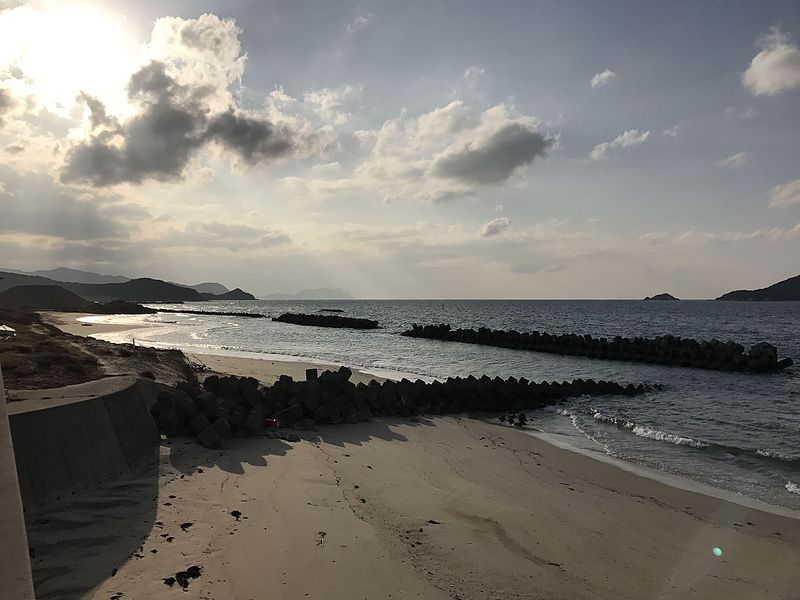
(237, 294)
(788, 289)
(312, 294)
(662, 297)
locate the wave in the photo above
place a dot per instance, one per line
(650, 432)
(792, 487)
(646, 431)
(778, 457)
(662, 436)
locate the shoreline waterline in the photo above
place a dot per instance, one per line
(123, 332)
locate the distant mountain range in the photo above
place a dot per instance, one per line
(65, 275)
(209, 288)
(133, 290)
(74, 275)
(312, 294)
(788, 289)
(144, 289)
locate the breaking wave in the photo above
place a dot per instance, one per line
(646, 431)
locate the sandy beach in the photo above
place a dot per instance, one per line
(436, 507)
(440, 508)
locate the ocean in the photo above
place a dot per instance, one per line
(736, 432)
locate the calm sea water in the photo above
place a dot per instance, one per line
(737, 432)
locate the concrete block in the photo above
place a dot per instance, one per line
(209, 438)
(199, 423)
(221, 427)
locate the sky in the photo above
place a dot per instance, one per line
(436, 149)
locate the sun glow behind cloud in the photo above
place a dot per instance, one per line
(57, 50)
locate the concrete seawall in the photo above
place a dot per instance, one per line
(15, 564)
(69, 439)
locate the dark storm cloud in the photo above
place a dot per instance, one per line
(158, 143)
(252, 139)
(493, 160)
(99, 117)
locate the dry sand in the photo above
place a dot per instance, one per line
(515, 517)
(432, 508)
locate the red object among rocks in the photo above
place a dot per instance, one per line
(272, 423)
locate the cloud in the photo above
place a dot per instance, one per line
(472, 75)
(172, 123)
(603, 78)
(181, 103)
(216, 234)
(449, 153)
(156, 143)
(6, 104)
(776, 68)
(735, 161)
(360, 23)
(255, 140)
(783, 196)
(627, 139)
(492, 160)
(331, 105)
(33, 205)
(203, 54)
(672, 132)
(494, 227)
(737, 114)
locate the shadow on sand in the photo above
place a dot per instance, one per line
(79, 543)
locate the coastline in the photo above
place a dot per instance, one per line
(516, 516)
(266, 368)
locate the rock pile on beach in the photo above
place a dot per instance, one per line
(661, 350)
(326, 320)
(239, 406)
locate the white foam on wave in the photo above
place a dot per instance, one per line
(662, 436)
(792, 488)
(775, 455)
(648, 432)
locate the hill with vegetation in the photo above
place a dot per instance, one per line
(788, 289)
(42, 297)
